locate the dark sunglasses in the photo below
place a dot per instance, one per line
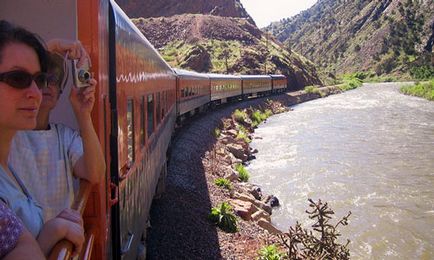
(21, 79)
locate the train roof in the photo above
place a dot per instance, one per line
(222, 76)
(255, 77)
(278, 76)
(189, 73)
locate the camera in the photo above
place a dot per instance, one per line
(82, 75)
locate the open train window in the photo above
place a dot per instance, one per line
(142, 121)
(150, 109)
(130, 129)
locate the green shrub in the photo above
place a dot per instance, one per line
(268, 112)
(350, 82)
(223, 217)
(223, 182)
(217, 132)
(270, 253)
(243, 134)
(360, 75)
(243, 174)
(258, 116)
(240, 116)
(311, 89)
(420, 89)
(422, 72)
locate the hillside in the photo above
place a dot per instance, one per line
(149, 8)
(382, 36)
(207, 43)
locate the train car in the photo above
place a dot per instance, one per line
(224, 88)
(279, 83)
(144, 99)
(193, 92)
(134, 116)
(256, 85)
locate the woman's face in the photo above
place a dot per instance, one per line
(19, 107)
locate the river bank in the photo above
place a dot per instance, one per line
(179, 225)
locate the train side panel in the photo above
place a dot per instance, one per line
(255, 84)
(145, 93)
(224, 87)
(279, 83)
(193, 91)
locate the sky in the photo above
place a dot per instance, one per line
(266, 11)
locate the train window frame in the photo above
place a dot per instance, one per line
(142, 122)
(158, 107)
(164, 104)
(130, 130)
(150, 114)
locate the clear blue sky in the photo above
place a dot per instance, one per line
(266, 11)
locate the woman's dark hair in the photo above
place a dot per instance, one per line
(10, 33)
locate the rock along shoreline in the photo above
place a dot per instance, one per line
(179, 225)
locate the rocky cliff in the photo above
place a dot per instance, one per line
(382, 36)
(207, 43)
(149, 8)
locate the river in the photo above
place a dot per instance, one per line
(369, 151)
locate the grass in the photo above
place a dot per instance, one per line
(311, 89)
(223, 217)
(223, 183)
(258, 116)
(420, 89)
(243, 134)
(243, 174)
(217, 132)
(240, 116)
(351, 81)
(270, 252)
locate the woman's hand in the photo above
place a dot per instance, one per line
(58, 229)
(74, 49)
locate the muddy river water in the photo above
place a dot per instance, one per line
(369, 151)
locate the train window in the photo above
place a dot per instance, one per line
(150, 109)
(163, 110)
(142, 121)
(158, 100)
(130, 129)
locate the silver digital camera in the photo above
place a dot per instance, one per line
(82, 75)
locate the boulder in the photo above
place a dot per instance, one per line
(237, 151)
(263, 223)
(261, 214)
(232, 132)
(244, 197)
(256, 192)
(244, 209)
(272, 200)
(231, 174)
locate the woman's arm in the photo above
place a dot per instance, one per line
(26, 248)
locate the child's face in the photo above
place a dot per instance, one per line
(51, 94)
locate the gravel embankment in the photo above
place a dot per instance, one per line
(180, 228)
